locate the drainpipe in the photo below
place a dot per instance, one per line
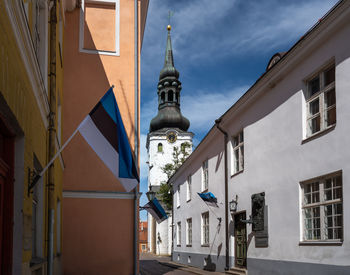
(217, 122)
(52, 135)
(172, 225)
(136, 209)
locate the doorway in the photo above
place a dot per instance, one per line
(6, 198)
(240, 233)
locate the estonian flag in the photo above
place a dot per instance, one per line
(104, 131)
(156, 210)
(209, 198)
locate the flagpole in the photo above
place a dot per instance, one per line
(38, 176)
(60, 150)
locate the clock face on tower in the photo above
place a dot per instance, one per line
(171, 136)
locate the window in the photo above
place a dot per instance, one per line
(205, 228)
(162, 97)
(178, 197)
(170, 95)
(237, 159)
(160, 147)
(205, 175)
(178, 241)
(94, 39)
(322, 209)
(189, 232)
(143, 247)
(183, 147)
(189, 187)
(39, 33)
(320, 101)
(37, 214)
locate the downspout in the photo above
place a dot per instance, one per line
(217, 122)
(172, 225)
(136, 99)
(52, 135)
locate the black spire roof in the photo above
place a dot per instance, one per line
(169, 87)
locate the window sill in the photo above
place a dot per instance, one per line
(205, 190)
(318, 134)
(320, 243)
(178, 206)
(188, 200)
(188, 245)
(37, 262)
(237, 173)
(205, 245)
(179, 245)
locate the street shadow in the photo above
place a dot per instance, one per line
(153, 267)
(209, 266)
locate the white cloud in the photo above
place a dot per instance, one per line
(202, 108)
(205, 31)
(143, 158)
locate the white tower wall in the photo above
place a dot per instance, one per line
(157, 160)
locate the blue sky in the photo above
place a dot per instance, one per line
(220, 48)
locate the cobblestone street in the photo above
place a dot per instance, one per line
(152, 265)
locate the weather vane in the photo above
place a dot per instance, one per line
(170, 14)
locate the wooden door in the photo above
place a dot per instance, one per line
(240, 241)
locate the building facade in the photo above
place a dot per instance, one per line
(168, 132)
(100, 220)
(31, 69)
(284, 164)
(143, 233)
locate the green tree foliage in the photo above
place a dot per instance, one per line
(179, 156)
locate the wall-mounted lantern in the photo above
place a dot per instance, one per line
(150, 194)
(233, 205)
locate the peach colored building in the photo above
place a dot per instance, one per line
(100, 220)
(143, 232)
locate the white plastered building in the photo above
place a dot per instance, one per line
(286, 151)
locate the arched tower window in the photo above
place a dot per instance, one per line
(183, 147)
(177, 97)
(162, 97)
(160, 147)
(171, 95)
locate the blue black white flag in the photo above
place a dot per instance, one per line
(209, 198)
(104, 131)
(156, 210)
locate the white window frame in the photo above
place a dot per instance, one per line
(320, 96)
(189, 188)
(38, 219)
(178, 237)
(189, 232)
(178, 197)
(314, 194)
(205, 229)
(117, 30)
(237, 147)
(205, 175)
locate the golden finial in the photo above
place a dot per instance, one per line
(169, 16)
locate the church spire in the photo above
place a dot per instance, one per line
(169, 87)
(169, 68)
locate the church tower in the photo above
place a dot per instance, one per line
(167, 131)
